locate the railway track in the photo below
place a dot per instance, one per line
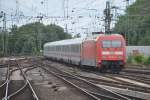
(138, 67)
(126, 85)
(137, 70)
(140, 78)
(85, 84)
(3, 65)
(136, 77)
(118, 84)
(9, 91)
(89, 86)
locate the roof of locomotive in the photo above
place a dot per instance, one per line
(77, 40)
(96, 37)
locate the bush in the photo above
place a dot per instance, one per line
(147, 61)
(139, 58)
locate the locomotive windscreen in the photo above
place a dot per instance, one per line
(111, 44)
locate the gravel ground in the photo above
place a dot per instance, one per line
(47, 86)
(74, 70)
(24, 95)
(2, 73)
(92, 75)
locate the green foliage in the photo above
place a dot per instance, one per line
(136, 23)
(27, 38)
(147, 61)
(138, 59)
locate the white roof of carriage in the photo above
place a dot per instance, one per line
(65, 42)
(74, 41)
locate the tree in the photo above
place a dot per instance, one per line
(30, 38)
(135, 23)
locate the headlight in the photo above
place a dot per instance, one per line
(119, 53)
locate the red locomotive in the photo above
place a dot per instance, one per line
(104, 52)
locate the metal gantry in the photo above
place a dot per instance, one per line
(108, 18)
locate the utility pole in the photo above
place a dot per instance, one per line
(17, 11)
(66, 15)
(4, 34)
(127, 33)
(39, 32)
(44, 3)
(108, 18)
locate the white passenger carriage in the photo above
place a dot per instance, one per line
(65, 50)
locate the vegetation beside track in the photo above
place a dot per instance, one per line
(139, 60)
(29, 39)
(135, 23)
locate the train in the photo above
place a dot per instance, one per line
(102, 52)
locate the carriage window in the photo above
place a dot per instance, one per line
(106, 44)
(116, 44)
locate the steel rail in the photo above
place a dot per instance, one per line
(123, 97)
(131, 78)
(7, 83)
(121, 75)
(147, 72)
(17, 92)
(3, 66)
(132, 97)
(29, 84)
(16, 70)
(136, 78)
(94, 93)
(62, 78)
(115, 84)
(23, 87)
(141, 76)
(129, 86)
(29, 69)
(6, 77)
(111, 92)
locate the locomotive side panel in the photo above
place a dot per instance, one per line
(89, 53)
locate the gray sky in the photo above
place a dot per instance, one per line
(88, 9)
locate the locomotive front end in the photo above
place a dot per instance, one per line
(111, 55)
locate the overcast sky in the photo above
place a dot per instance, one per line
(82, 13)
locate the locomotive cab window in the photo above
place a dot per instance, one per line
(111, 44)
(106, 44)
(116, 43)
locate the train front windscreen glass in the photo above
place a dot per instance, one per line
(111, 44)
